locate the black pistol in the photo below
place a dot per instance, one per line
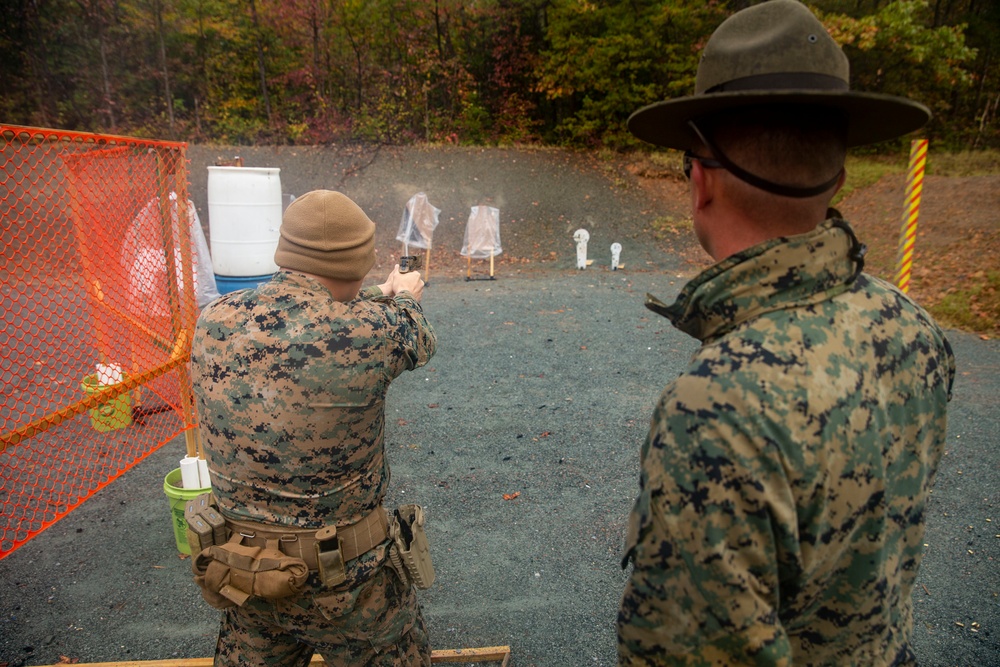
(409, 263)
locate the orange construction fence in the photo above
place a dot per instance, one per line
(97, 311)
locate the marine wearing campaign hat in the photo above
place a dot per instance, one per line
(785, 476)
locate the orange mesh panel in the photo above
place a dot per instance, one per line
(94, 333)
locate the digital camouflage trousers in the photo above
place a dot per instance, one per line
(376, 624)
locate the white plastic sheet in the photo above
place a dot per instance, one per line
(420, 218)
(145, 262)
(482, 233)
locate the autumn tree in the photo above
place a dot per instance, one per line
(604, 60)
(893, 52)
(397, 71)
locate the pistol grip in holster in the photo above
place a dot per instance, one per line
(329, 557)
(410, 553)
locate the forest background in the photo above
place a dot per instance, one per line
(482, 72)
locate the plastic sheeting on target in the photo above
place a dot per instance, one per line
(145, 261)
(420, 218)
(482, 233)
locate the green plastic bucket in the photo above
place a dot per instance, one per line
(110, 416)
(178, 497)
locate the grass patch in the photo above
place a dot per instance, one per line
(964, 163)
(669, 160)
(863, 171)
(976, 307)
(866, 169)
(670, 227)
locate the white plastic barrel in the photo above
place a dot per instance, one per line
(244, 214)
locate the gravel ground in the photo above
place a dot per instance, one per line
(542, 388)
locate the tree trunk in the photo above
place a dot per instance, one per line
(314, 24)
(94, 17)
(357, 61)
(437, 26)
(204, 85)
(260, 61)
(106, 75)
(38, 58)
(158, 11)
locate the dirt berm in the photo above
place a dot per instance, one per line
(521, 438)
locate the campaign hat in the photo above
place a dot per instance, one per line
(776, 53)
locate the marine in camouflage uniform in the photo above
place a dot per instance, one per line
(290, 385)
(784, 480)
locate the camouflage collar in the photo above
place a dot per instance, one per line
(780, 273)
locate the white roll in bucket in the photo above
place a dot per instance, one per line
(244, 214)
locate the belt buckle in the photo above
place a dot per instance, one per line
(329, 557)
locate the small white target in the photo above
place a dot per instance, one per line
(616, 253)
(581, 236)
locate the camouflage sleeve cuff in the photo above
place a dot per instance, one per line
(370, 292)
(410, 300)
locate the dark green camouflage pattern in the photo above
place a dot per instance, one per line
(290, 387)
(780, 517)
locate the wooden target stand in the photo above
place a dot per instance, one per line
(499, 654)
(468, 271)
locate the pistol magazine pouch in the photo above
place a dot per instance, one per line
(410, 553)
(200, 533)
(231, 573)
(330, 557)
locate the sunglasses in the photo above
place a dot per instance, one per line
(706, 162)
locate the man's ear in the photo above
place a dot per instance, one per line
(703, 183)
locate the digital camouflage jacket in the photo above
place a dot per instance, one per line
(780, 517)
(290, 387)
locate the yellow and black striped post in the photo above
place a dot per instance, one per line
(908, 234)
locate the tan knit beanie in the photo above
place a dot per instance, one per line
(325, 233)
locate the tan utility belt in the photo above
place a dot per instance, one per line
(240, 559)
(207, 527)
(354, 540)
(235, 560)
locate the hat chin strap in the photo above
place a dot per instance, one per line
(762, 183)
